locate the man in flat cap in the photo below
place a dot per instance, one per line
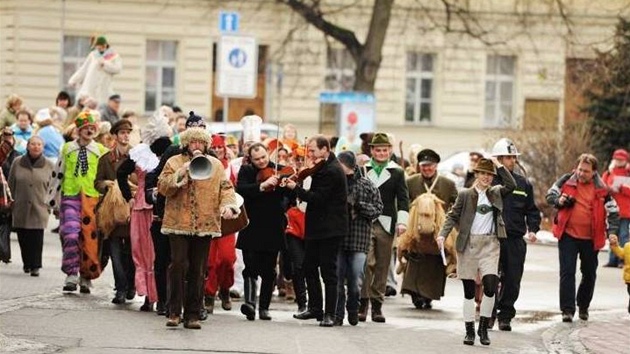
(389, 178)
(425, 276)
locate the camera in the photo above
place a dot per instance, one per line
(569, 201)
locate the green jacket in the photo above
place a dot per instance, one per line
(463, 212)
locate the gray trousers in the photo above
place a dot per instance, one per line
(377, 265)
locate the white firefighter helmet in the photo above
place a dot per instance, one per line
(504, 147)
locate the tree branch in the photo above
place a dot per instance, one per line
(313, 15)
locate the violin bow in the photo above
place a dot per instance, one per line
(402, 157)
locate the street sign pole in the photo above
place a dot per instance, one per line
(226, 109)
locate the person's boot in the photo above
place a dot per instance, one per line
(160, 308)
(364, 305)
(290, 292)
(327, 321)
(147, 306)
(483, 331)
(353, 318)
(249, 307)
(208, 303)
(226, 302)
(469, 339)
(377, 314)
(264, 300)
(300, 296)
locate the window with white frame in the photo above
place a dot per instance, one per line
(161, 64)
(75, 50)
(499, 98)
(339, 70)
(419, 89)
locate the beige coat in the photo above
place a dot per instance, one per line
(29, 184)
(193, 207)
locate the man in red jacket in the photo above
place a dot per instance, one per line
(617, 178)
(585, 208)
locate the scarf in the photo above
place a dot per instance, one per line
(378, 167)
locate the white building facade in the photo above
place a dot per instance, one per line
(441, 90)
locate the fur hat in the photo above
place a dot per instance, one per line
(485, 165)
(194, 134)
(194, 121)
(84, 119)
(123, 124)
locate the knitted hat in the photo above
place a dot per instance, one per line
(84, 119)
(194, 134)
(123, 124)
(620, 154)
(156, 127)
(348, 159)
(194, 121)
(485, 165)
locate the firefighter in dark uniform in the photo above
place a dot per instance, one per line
(521, 217)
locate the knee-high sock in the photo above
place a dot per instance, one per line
(487, 303)
(469, 310)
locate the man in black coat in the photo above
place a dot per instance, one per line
(326, 226)
(263, 237)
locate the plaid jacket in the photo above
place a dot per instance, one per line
(364, 206)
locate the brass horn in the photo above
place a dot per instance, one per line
(200, 168)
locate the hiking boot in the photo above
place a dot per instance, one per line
(363, 309)
(483, 331)
(469, 339)
(377, 314)
(226, 302)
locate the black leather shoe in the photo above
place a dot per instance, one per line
(583, 314)
(84, 289)
(70, 287)
(310, 314)
(338, 322)
(327, 321)
(390, 291)
(249, 311)
(504, 325)
(160, 309)
(131, 293)
(119, 299)
(264, 315)
(353, 318)
(35, 272)
(567, 317)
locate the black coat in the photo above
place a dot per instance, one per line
(266, 212)
(326, 212)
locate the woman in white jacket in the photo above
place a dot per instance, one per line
(94, 77)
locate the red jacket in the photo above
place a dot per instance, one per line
(605, 210)
(622, 197)
(295, 222)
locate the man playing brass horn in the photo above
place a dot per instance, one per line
(192, 215)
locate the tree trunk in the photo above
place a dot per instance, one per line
(370, 56)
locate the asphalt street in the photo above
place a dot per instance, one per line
(35, 317)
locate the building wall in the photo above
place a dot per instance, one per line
(31, 34)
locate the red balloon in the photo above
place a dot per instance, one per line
(352, 118)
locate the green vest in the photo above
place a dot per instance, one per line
(73, 185)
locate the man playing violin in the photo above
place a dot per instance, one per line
(263, 238)
(326, 226)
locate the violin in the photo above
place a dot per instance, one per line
(282, 174)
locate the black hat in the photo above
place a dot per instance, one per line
(115, 97)
(348, 159)
(428, 156)
(160, 145)
(194, 121)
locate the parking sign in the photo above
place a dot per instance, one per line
(237, 67)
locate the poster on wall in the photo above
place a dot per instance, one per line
(356, 116)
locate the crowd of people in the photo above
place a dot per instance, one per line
(155, 201)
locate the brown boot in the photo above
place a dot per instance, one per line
(226, 302)
(208, 303)
(290, 292)
(377, 314)
(363, 309)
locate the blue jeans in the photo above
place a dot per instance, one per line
(350, 272)
(122, 264)
(624, 225)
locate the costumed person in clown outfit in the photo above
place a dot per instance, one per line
(222, 254)
(94, 77)
(143, 159)
(72, 193)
